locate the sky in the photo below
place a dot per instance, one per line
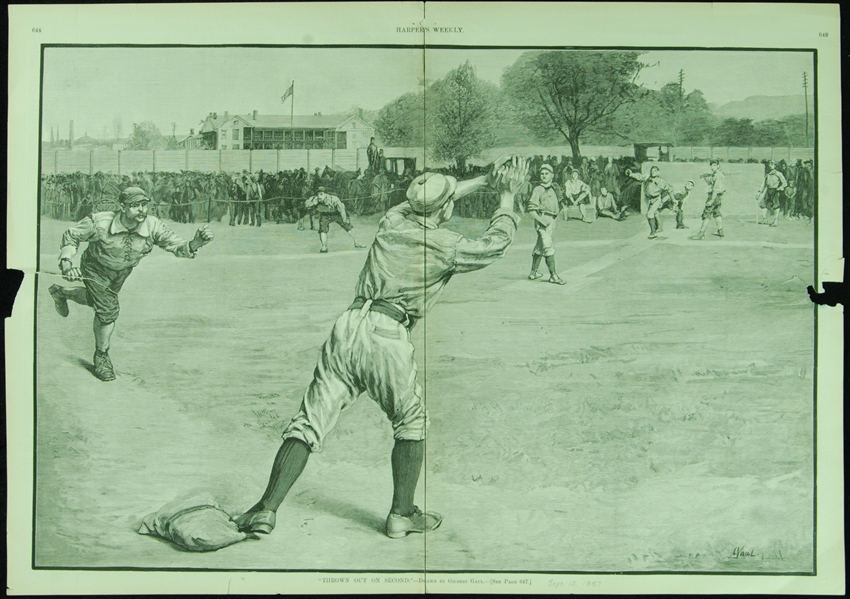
(106, 89)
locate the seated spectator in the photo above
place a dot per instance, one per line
(606, 206)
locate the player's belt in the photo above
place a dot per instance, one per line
(386, 308)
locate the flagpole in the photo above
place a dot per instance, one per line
(292, 111)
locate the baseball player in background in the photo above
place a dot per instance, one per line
(369, 349)
(331, 210)
(769, 194)
(544, 205)
(656, 190)
(117, 241)
(716, 188)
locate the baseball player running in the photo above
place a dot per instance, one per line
(369, 349)
(117, 242)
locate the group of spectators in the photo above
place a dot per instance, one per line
(798, 198)
(251, 198)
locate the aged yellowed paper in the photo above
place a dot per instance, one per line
(654, 406)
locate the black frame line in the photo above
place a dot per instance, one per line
(426, 573)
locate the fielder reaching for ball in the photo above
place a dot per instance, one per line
(369, 349)
(117, 241)
(331, 210)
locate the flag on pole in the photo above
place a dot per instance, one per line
(287, 93)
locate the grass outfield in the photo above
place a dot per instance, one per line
(655, 414)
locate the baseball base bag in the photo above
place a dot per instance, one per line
(195, 523)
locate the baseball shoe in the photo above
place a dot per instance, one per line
(103, 366)
(534, 275)
(697, 237)
(557, 280)
(718, 233)
(653, 236)
(359, 246)
(683, 227)
(418, 521)
(323, 251)
(59, 300)
(262, 521)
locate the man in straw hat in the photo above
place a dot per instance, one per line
(117, 241)
(369, 349)
(544, 207)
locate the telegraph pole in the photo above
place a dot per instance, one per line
(681, 104)
(806, 97)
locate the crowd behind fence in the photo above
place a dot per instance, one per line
(252, 198)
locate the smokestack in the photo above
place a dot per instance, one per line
(226, 114)
(255, 115)
(360, 112)
(191, 131)
(71, 136)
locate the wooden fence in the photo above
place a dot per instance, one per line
(125, 162)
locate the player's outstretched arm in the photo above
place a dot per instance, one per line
(202, 237)
(466, 187)
(510, 176)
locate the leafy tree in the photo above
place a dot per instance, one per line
(734, 132)
(146, 136)
(697, 121)
(795, 129)
(463, 115)
(402, 121)
(575, 92)
(769, 132)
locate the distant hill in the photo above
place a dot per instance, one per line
(759, 108)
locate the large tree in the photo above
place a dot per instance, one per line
(402, 121)
(146, 136)
(572, 91)
(463, 113)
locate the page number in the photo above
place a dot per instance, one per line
(36, 29)
(823, 34)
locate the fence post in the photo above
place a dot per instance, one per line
(250, 161)
(153, 160)
(711, 153)
(789, 154)
(749, 153)
(356, 158)
(692, 153)
(219, 161)
(187, 159)
(55, 162)
(277, 161)
(771, 152)
(308, 161)
(91, 162)
(727, 153)
(333, 158)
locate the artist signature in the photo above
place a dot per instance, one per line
(743, 552)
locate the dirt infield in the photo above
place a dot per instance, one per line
(655, 414)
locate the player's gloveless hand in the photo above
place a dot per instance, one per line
(203, 235)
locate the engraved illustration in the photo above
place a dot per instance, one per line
(651, 409)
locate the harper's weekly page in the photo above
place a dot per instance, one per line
(237, 219)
